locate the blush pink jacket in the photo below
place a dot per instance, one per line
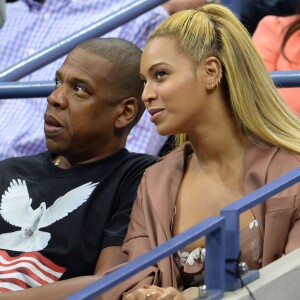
(278, 218)
(268, 38)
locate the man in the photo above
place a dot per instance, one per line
(64, 212)
(32, 25)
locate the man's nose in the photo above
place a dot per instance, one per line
(58, 98)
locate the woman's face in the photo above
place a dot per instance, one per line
(174, 89)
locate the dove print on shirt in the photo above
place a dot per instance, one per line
(16, 209)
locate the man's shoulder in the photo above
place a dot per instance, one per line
(173, 160)
(138, 160)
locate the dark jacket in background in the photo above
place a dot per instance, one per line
(252, 11)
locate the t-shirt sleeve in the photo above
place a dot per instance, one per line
(116, 228)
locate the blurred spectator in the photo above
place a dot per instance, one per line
(277, 40)
(252, 11)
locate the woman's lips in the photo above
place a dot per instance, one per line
(155, 113)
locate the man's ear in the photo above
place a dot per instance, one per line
(128, 109)
(213, 72)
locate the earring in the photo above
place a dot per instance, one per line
(221, 75)
(210, 87)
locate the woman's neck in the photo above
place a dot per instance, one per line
(219, 146)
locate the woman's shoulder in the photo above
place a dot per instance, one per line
(282, 162)
(268, 159)
(290, 159)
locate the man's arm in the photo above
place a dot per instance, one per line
(108, 258)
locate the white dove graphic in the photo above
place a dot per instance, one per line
(16, 209)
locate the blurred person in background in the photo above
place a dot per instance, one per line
(252, 11)
(277, 40)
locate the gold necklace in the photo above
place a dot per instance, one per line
(57, 161)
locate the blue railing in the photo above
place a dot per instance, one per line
(233, 211)
(14, 90)
(212, 227)
(64, 46)
(286, 79)
(10, 90)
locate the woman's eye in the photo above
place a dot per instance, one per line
(160, 74)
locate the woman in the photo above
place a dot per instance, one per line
(203, 79)
(277, 40)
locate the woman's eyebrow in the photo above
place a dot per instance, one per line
(156, 65)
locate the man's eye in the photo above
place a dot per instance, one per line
(57, 82)
(143, 82)
(78, 88)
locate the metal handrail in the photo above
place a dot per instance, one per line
(286, 79)
(233, 211)
(64, 46)
(32, 89)
(13, 90)
(212, 228)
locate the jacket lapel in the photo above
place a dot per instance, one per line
(257, 160)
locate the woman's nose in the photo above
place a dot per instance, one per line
(149, 93)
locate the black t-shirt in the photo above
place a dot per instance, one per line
(55, 222)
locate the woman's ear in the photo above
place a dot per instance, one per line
(213, 72)
(127, 112)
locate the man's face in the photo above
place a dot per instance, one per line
(80, 116)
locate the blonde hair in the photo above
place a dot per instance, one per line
(255, 104)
